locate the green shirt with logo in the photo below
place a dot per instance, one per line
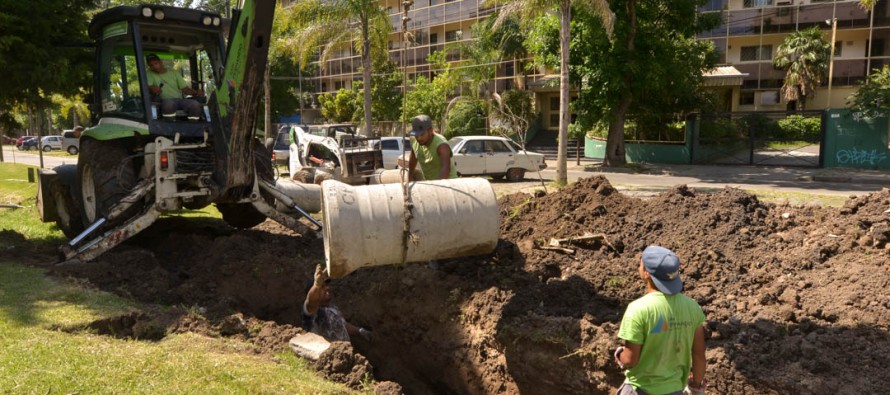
(428, 158)
(665, 326)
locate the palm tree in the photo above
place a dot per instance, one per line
(528, 10)
(804, 56)
(331, 24)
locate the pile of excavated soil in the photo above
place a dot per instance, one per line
(796, 298)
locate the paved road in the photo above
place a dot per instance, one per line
(650, 179)
(654, 178)
(12, 155)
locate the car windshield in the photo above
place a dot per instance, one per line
(515, 146)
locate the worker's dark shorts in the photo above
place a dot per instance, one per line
(627, 389)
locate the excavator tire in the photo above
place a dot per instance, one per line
(245, 215)
(106, 175)
(66, 194)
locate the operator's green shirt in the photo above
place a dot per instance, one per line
(665, 325)
(173, 84)
(428, 158)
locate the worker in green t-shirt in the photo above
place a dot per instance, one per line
(430, 150)
(169, 87)
(663, 334)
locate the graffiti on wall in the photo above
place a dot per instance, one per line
(856, 156)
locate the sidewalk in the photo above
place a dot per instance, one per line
(732, 174)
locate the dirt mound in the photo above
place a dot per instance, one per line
(340, 363)
(795, 297)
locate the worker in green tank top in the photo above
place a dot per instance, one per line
(430, 150)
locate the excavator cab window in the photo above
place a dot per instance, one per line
(120, 90)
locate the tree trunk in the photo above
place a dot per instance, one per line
(615, 155)
(565, 18)
(267, 113)
(366, 75)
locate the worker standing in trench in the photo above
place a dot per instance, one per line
(663, 334)
(321, 317)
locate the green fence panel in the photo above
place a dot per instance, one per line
(635, 152)
(854, 141)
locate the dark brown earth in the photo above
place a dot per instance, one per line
(796, 298)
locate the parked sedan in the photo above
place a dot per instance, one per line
(27, 143)
(493, 156)
(50, 143)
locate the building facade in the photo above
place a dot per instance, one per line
(435, 24)
(752, 31)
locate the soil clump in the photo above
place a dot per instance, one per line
(795, 297)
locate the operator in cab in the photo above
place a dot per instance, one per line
(171, 88)
(430, 150)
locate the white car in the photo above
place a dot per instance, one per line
(71, 141)
(391, 147)
(50, 143)
(493, 156)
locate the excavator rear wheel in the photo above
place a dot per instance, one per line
(106, 175)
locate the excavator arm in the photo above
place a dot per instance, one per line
(234, 105)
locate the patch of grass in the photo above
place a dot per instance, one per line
(38, 359)
(16, 190)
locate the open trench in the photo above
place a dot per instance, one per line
(806, 281)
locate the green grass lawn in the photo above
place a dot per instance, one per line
(39, 358)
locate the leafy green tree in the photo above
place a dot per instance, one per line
(531, 9)
(386, 98)
(650, 66)
(342, 107)
(430, 97)
(39, 52)
(466, 118)
(872, 98)
(804, 55)
(331, 24)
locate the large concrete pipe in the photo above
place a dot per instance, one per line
(393, 176)
(363, 226)
(306, 196)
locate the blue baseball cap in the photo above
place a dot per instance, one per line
(420, 124)
(664, 269)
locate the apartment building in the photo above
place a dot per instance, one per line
(435, 24)
(752, 31)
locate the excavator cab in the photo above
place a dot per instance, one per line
(188, 42)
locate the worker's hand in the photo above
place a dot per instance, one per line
(155, 90)
(320, 275)
(366, 334)
(692, 389)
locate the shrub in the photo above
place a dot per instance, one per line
(796, 127)
(467, 117)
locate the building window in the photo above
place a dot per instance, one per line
(554, 103)
(452, 35)
(757, 3)
(434, 38)
(554, 120)
(838, 46)
(746, 98)
(769, 97)
(755, 52)
(338, 85)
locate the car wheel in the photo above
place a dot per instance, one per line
(515, 174)
(47, 148)
(72, 150)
